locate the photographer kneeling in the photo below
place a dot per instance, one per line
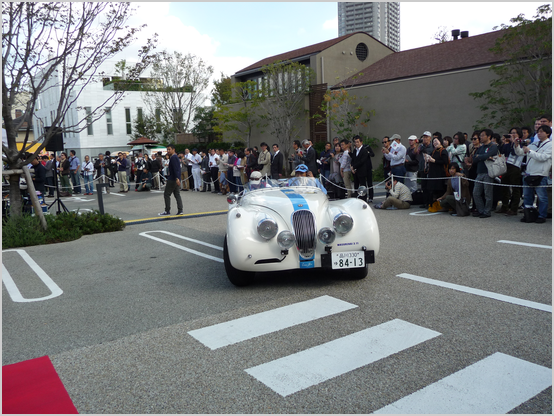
(457, 190)
(539, 162)
(145, 180)
(400, 196)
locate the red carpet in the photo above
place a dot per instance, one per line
(32, 387)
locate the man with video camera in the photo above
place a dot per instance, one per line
(539, 162)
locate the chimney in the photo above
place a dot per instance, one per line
(455, 33)
(465, 34)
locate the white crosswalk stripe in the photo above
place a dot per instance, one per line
(494, 385)
(242, 329)
(307, 368)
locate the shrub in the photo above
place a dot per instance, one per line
(26, 230)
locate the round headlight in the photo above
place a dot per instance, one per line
(267, 228)
(343, 223)
(326, 235)
(286, 239)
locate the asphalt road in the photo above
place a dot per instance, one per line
(120, 337)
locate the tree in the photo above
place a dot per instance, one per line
(283, 95)
(180, 81)
(239, 117)
(442, 35)
(522, 87)
(150, 127)
(58, 47)
(204, 124)
(344, 112)
(222, 91)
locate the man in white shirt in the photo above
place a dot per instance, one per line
(396, 153)
(188, 183)
(196, 172)
(214, 170)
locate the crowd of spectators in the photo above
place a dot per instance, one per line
(437, 173)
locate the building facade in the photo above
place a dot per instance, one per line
(379, 19)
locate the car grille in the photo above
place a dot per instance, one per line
(303, 223)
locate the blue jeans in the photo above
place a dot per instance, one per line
(89, 184)
(399, 171)
(76, 181)
(542, 193)
(487, 188)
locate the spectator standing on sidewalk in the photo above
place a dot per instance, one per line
(88, 174)
(483, 184)
(49, 175)
(122, 172)
(173, 182)
(74, 164)
(412, 163)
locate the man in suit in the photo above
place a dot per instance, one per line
(276, 163)
(359, 164)
(309, 157)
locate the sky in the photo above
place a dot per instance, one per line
(233, 35)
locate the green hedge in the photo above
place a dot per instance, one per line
(26, 230)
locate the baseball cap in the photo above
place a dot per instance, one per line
(395, 136)
(427, 133)
(412, 137)
(301, 168)
(255, 176)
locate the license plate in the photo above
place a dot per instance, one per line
(347, 260)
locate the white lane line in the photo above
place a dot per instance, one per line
(189, 250)
(517, 243)
(479, 292)
(307, 368)
(12, 289)
(494, 385)
(242, 329)
(424, 213)
(188, 239)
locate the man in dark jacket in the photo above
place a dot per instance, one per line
(155, 170)
(309, 158)
(40, 176)
(173, 185)
(359, 164)
(370, 154)
(276, 162)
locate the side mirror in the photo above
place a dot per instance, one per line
(232, 199)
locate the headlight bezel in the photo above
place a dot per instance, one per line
(339, 228)
(329, 240)
(264, 233)
(282, 235)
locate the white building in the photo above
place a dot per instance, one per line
(111, 132)
(379, 19)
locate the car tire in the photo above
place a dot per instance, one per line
(236, 277)
(358, 273)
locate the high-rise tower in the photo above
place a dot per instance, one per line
(380, 19)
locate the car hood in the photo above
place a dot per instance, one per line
(284, 201)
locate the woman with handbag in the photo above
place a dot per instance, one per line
(510, 200)
(437, 164)
(457, 196)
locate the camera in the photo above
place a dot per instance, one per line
(420, 140)
(523, 142)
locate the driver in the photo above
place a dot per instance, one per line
(256, 181)
(304, 177)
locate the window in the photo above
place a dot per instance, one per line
(89, 121)
(109, 123)
(361, 51)
(128, 120)
(158, 115)
(139, 113)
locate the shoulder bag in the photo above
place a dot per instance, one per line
(497, 166)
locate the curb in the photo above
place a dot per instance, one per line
(175, 217)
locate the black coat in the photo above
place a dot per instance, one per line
(359, 162)
(277, 164)
(437, 170)
(309, 158)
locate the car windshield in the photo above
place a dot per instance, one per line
(261, 184)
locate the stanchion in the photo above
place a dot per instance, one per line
(99, 189)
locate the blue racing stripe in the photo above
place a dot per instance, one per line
(299, 203)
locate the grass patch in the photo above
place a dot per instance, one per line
(26, 230)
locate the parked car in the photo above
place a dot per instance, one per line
(272, 227)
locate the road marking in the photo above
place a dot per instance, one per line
(494, 385)
(196, 214)
(169, 243)
(307, 368)
(242, 329)
(524, 244)
(12, 289)
(424, 213)
(479, 292)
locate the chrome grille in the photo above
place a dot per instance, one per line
(303, 223)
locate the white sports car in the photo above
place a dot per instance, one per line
(272, 226)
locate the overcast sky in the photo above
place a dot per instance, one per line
(232, 35)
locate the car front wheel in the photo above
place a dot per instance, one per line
(236, 277)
